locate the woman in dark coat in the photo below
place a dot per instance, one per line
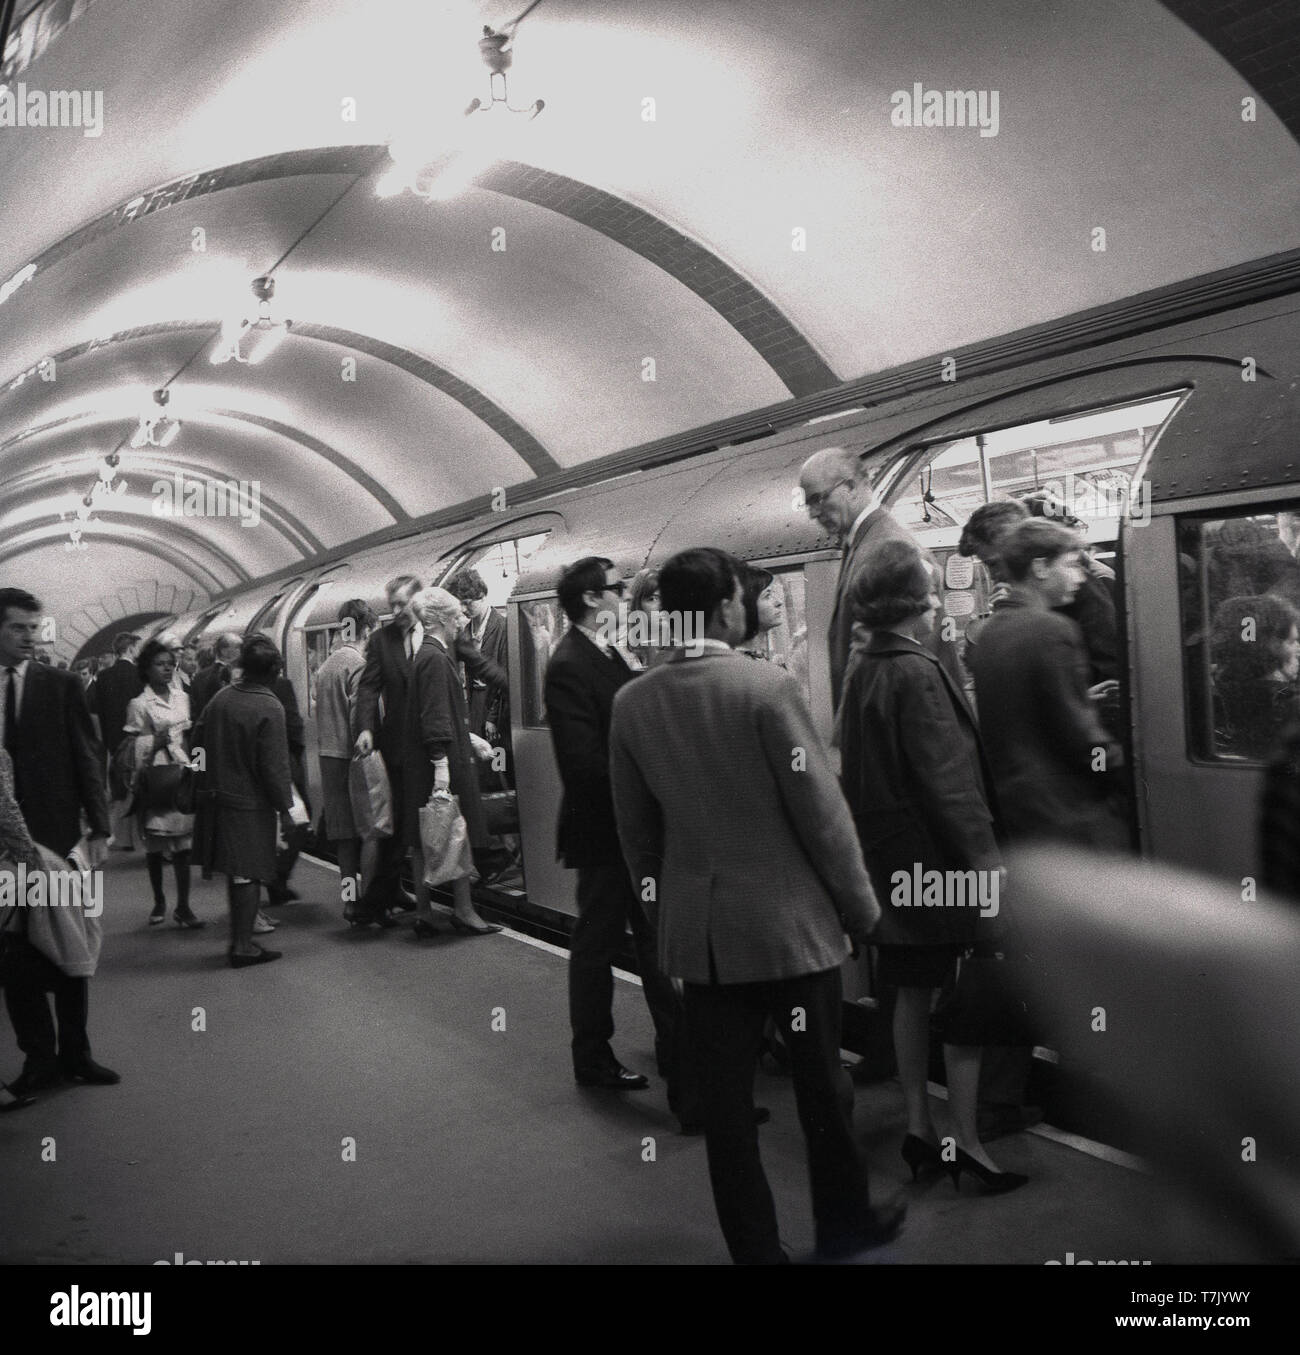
(914, 778)
(246, 782)
(440, 757)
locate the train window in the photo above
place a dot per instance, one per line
(787, 644)
(1088, 460)
(541, 627)
(1240, 599)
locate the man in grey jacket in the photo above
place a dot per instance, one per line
(742, 849)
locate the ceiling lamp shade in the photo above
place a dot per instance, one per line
(157, 428)
(252, 340)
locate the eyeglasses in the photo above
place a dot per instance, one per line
(815, 501)
(618, 588)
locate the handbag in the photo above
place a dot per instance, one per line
(444, 839)
(371, 796)
(166, 788)
(985, 1005)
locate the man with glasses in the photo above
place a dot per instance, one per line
(584, 673)
(838, 495)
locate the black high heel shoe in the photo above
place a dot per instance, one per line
(469, 929)
(993, 1183)
(921, 1155)
(423, 928)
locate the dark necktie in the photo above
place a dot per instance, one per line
(11, 714)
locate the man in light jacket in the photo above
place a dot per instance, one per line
(738, 837)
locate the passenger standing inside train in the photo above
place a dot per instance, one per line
(914, 777)
(738, 835)
(159, 719)
(582, 678)
(337, 680)
(114, 692)
(440, 755)
(381, 716)
(1256, 648)
(838, 496)
(764, 612)
(245, 784)
(488, 702)
(1053, 763)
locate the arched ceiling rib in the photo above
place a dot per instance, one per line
(139, 539)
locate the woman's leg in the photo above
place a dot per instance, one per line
(963, 1065)
(181, 870)
(243, 913)
(463, 902)
(912, 1047)
(154, 862)
(348, 851)
(423, 896)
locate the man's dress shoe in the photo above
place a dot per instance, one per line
(26, 1083)
(87, 1070)
(616, 1078)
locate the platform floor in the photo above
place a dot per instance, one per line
(471, 1144)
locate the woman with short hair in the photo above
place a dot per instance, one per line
(764, 611)
(159, 720)
(441, 757)
(914, 778)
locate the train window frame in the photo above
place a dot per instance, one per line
(895, 474)
(1201, 725)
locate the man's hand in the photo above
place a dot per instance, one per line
(365, 744)
(490, 729)
(97, 850)
(1103, 689)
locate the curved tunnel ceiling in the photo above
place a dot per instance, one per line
(716, 197)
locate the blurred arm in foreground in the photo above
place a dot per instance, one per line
(1201, 1030)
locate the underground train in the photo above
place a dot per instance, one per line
(1167, 422)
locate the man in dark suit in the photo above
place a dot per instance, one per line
(58, 777)
(207, 682)
(733, 823)
(114, 691)
(488, 704)
(381, 713)
(582, 678)
(838, 496)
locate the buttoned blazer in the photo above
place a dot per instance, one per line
(114, 692)
(579, 691)
(914, 776)
(725, 799)
(873, 531)
(58, 762)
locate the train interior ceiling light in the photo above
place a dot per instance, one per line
(437, 167)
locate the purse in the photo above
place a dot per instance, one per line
(985, 1005)
(444, 839)
(166, 788)
(371, 796)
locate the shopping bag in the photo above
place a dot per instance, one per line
(372, 800)
(445, 841)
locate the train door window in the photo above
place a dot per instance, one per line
(1086, 460)
(499, 564)
(541, 627)
(1240, 599)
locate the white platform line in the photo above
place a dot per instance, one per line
(1102, 1151)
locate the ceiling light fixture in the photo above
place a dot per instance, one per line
(261, 334)
(157, 428)
(439, 174)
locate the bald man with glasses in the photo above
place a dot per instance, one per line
(838, 495)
